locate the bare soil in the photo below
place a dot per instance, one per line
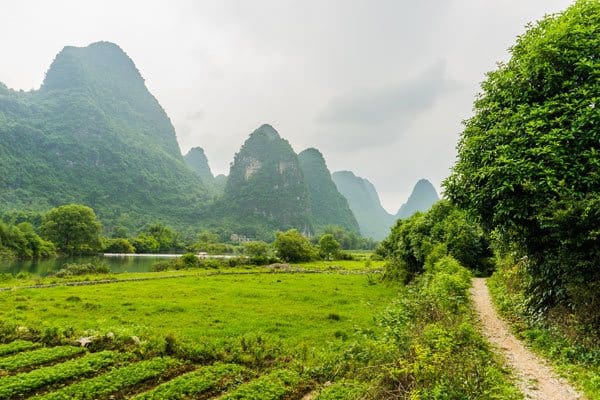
(535, 377)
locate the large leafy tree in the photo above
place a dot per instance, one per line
(74, 229)
(528, 160)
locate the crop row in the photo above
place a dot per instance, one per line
(21, 384)
(115, 380)
(210, 379)
(37, 357)
(17, 346)
(273, 386)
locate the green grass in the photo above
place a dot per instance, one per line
(294, 308)
(344, 265)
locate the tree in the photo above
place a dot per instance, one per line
(74, 229)
(329, 248)
(291, 246)
(528, 162)
(258, 252)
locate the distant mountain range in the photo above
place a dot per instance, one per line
(94, 134)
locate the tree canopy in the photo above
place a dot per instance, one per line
(528, 161)
(74, 229)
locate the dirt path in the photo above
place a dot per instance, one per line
(535, 378)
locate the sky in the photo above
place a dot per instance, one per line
(380, 87)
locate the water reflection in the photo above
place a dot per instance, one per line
(116, 264)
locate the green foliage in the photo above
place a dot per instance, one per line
(115, 380)
(327, 205)
(19, 385)
(118, 245)
(36, 357)
(329, 248)
(265, 187)
(17, 346)
(75, 269)
(344, 390)
(528, 160)
(444, 228)
(73, 228)
(22, 242)
(208, 379)
(93, 134)
(259, 253)
(349, 240)
(572, 345)
(274, 386)
(145, 243)
(292, 246)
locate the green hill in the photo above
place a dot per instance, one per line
(265, 189)
(373, 219)
(327, 205)
(197, 161)
(421, 199)
(94, 134)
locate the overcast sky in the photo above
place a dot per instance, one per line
(380, 87)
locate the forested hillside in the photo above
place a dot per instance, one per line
(265, 189)
(94, 134)
(373, 219)
(328, 206)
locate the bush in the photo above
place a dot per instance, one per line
(292, 246)
(259, 253)
(73, 269)
(118, 245)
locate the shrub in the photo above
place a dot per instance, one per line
(292, 246)
(118, 245)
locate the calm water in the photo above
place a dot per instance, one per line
(116, 264)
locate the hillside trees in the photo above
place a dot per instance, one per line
(528, 161)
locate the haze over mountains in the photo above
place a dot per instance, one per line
(94, 134)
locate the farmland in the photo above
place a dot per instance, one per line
(236, 333)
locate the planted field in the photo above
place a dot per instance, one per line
(110, 375)
(230, 336)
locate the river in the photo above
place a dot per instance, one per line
(126, 263)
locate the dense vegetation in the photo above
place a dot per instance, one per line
(528, 160)
(22, 242)
(413, 239)
(265, 189)
(527, 170)
(327, 205)
(93, 134)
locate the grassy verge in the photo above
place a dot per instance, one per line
(574, 354)
(430, 347)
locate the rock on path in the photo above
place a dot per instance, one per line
(536, 379)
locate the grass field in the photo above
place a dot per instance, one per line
(296, 309)
(247, 333)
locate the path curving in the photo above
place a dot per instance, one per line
(535, 378)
